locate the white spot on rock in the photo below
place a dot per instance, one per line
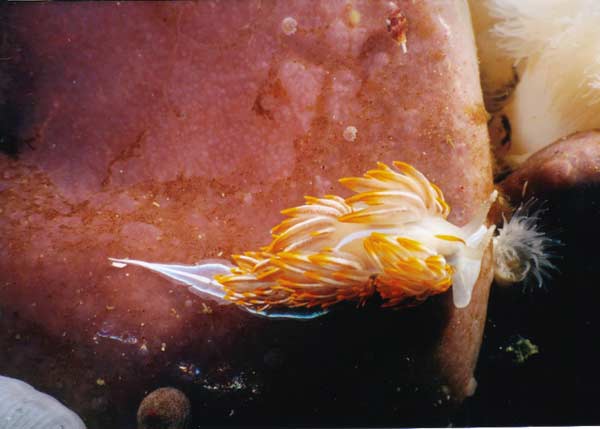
(247, 198)
(289, 26)
(350, 133)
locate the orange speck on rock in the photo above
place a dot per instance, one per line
(477, 114)
(397, 26)
(353, 16)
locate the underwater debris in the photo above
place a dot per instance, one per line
(522, 349)
(189, 371)
(22, 406)
(397, 25)
(166, 408)
(205, 309)
(522, 252)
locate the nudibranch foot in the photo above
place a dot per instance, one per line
(292, 313)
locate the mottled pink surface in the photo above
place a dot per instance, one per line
(176, 132)
(567, 163)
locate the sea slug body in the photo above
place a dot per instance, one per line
(390, 238)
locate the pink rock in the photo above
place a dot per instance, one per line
(176, 132)
(571, 161)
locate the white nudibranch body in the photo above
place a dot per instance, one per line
(390, 238)
(554, 47)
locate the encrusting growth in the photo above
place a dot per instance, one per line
(391, 238)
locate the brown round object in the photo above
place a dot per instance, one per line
(164, 408)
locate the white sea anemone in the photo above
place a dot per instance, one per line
(522, 252)
(496, 67)
(554, 47)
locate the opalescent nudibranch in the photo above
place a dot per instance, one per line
(390, 238)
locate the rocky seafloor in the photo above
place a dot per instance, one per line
(176, 133)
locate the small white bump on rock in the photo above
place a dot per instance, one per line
(350, 133)
(289, 26)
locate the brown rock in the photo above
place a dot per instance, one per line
(571, 161)
(164, 408)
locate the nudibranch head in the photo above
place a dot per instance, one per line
(522, 252)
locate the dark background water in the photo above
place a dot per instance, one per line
(559, 385)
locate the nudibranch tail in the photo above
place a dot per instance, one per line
(199, 278)
(390, 238)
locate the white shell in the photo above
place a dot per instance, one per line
(23, 407)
